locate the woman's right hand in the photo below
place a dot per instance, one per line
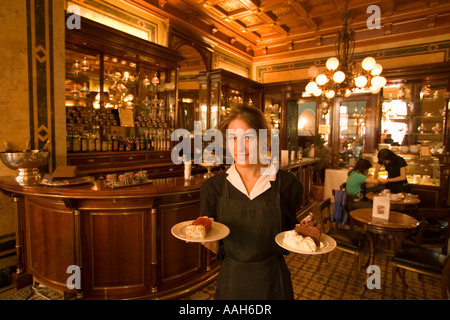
(212, 246)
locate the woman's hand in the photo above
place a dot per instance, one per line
(212, 246)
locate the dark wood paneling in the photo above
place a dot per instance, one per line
(430, 197)
(118, 248)
(176, 257)
(50, 239)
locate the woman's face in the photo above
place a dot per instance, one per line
(386, 161)
(242, 142)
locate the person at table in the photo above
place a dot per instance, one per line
(395, 166)
(356, 184)
(256, 202)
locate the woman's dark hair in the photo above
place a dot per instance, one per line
(361, 166)
(386, 154)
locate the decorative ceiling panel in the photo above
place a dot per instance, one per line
(253, 27)
(230, 5)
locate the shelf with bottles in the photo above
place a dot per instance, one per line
(144, 94)
(82, 138)
(118, 88)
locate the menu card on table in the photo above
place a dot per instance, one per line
(381, 207)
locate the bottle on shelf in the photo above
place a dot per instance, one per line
(104, 142)
(115, 142)
(76, 142)
(110, 143)
(98, 142)
(149, 143)
(91, 141)
(84, 142)
(69, 138)
(120, 143)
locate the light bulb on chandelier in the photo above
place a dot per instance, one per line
(342, 75)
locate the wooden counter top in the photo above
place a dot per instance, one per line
(89, 190)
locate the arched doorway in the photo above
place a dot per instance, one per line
(188, 86)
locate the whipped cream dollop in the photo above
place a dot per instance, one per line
(297, 242)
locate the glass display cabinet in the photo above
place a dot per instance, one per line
(220, 91)
(423, 175)
(118, 94)
(422, 171)
(414, 113)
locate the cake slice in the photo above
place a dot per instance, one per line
(199, 228)
(308, 227)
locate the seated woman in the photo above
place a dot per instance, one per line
(355, 185)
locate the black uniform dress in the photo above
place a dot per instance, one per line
(252, 265)
(393, 170)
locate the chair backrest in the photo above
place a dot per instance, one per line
(433, 213)
(325, 212)
(350, 199)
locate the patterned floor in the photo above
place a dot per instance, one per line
(335, 281)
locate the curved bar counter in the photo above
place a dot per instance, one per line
(119, 238)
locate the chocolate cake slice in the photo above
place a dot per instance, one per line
(309, 228)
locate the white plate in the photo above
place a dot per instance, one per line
(329, 244)
(218, 231)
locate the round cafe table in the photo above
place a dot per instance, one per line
(399, 225)
(401, 205)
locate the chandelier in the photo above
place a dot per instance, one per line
(344, 76)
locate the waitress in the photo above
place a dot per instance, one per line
(256, 203)
(396, 169)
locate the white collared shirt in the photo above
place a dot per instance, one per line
(262, 185)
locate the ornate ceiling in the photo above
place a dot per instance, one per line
(268, 29)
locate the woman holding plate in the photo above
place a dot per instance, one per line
(256, 203)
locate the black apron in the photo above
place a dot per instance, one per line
(253, 267)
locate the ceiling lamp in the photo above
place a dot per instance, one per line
(344, 76)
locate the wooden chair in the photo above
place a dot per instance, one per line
(423, 261)
(434, 229)
(415, 255)
(347, 240)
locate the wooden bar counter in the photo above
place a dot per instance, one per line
(120, 238)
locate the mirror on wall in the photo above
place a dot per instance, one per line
(306, 123)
